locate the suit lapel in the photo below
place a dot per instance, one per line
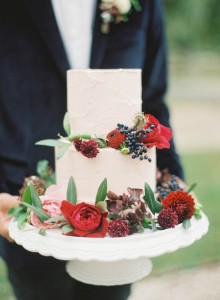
(42, 14)
(99, 42)
(43, 17)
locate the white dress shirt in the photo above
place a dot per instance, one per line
(75, 22)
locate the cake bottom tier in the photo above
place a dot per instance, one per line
(120, 170)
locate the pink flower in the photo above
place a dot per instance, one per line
(52, 208)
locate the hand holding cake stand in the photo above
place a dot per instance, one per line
(109, 261)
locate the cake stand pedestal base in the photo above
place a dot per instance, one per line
(109, 273)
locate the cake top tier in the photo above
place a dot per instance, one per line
(98, 99)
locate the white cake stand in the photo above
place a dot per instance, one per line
(109, 261)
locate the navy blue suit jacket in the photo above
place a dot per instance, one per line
(33, 68)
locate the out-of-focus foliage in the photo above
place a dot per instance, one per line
(193, 24)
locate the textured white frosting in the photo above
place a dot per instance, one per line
(98, 99)
(120, 170)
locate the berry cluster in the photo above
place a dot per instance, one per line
(134, 140)
(164, 188)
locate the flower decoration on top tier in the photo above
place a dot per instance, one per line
(135, 141)
(116, 11)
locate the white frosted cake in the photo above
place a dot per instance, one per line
(98, 100)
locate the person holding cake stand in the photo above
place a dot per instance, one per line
(41, 40)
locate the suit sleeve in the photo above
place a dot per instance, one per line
(154, 84)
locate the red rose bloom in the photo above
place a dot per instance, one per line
(159, 136)
(182, 203)
(87, 220)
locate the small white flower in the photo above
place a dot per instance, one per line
(123, 5)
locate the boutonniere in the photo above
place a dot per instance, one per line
(116, 11)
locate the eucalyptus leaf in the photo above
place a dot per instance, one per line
(102, 191)
(34, 196)
(16, 211)
(42, 231)
(56, 219)
(67, 228)
(71, 191)
(102, 143)
(85, 136)
(61, 150)
(191, 188)
(154, 205)
(42, 168)
(51, 143)
(186, 223)
(42, 215)
(66, 124)
(22, 220)
(153, 224)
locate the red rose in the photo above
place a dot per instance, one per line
(86, 219)
(159, 136)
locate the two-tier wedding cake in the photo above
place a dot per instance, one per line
(97, 100)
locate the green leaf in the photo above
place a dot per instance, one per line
(154, 205)
(198, 211)
(42, 215)
(26, 196)
(42, 168)
(113, 217)
(153, 224)
(102, 191)
(186, 223)
(42, 231)
(84, 136)
(67, 228)
(16, 211)
(136, 5)
(191, 188)
(61, 150)
(71, 191)
(51, 143)
(34, 196)
(66, 124)
(102, 142)
(145, 222)
(22, 220)
(56, 219)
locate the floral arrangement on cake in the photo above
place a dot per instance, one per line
(145, 133)
(111, 215)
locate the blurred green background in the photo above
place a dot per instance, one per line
(194, 101)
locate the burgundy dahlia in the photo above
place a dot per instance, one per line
(167, 218)
(118, 228)
(182, 203)
(77, 143)
(89, 148)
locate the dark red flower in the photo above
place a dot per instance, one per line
(89, 148)
(158, 136)
(115, 138)
(87, 220)
(182, 203)
(77, 143)
(167, 218)
(118, 228)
